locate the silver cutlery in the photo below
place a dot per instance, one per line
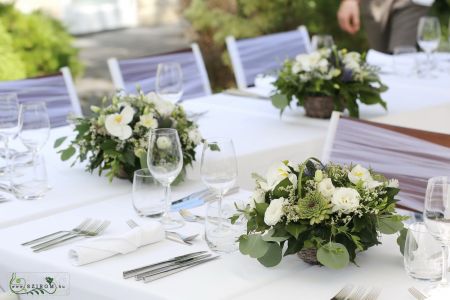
(177, 269)
(190, 217)
(206, 195)
(245, 94)
(136, 271)
(373, 294)
(416, 293)
(171, 235)
(358, 293)
(92, 231)
(78, 228)
(343, 293)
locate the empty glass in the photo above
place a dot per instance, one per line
(35, 128)
(437, 219)
(9, 122)
(146, 201)
(320, 41)
(422, 255)
(29, 180)
(220, 234)
(169, 81)
(405, 60)
(428, 37)
(165, 161)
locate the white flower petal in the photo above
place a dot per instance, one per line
(127, 114)
(274, 212)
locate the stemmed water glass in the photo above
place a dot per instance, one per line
(428, 36)
(218, 168)
(437, 220)
(9, 121)
(169, 81)
(320, 41)
(35, 128)
(165, 161)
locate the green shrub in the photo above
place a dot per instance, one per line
(42, 43)
(213, 20)
(11, 66)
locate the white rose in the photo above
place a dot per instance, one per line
(258, 196)
(358, 174)
(393, 183)
(148, 121)
(163, 142)
(277, 173)
(117, 124)
(326, 188)
(274, 212)
(345, 200)
(163, 107)
(195, 136)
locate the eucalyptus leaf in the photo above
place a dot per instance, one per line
(389, 225)
(253, 245)
(272, 257)
(59, 141)
(333, 255)
(295, 229)
(280, 101)
(269, 237)
(68, 153)
(261, 208)
(401, 240)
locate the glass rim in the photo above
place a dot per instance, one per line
(144, 172)
(216, 140)
(34, 103)
(169, 63)
(437, 178)
(164, 130)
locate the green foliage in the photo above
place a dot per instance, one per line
(11, 66)
(333, 255)
(42, 43)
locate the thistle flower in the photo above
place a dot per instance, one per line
(314, 207)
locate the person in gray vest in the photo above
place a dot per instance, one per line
(388, 23)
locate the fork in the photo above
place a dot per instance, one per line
(358, 294)
(417, 294)
(373, 294)
(171, 235)
(87, 233)
(343, 293)
(80, 227)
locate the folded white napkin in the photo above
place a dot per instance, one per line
(104, 247)
(8, 296)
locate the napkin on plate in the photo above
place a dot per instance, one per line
(104, 247)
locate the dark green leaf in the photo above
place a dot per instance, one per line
(261, 208)
(270, 236)
(295, 229)
(401, 240)
(68, 153)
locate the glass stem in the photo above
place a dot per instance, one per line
(428, 53)
(219, 212)
(7, 160)
(444, 280)
(168, 203)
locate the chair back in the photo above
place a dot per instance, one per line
(128, 74)
(259, 55)
(412, 156)
(56, 90)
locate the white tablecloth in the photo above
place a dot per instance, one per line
(233, 276)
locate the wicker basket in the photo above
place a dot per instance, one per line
(319, 106)
(309, 256)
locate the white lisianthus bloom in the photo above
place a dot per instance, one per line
(274, 212)
(163, 142)
(358, 174)
(345, 200)
(195, 136)
(148, 121)
(258, 196)
(117, 124)
(296, 67)
(308, 62)
(323, 65)
(326, 188)
(372, 184)
(393, 183)
(293, 166)
(278, 172)
(163, 107)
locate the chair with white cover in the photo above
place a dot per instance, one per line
(57, 91)
(412, 156)
(128, 74)
(258, 55)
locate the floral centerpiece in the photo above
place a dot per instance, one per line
(115, 138)
(327, 80)
(324, 213)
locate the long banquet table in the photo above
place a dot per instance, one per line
(260, 137)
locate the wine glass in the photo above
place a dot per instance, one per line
(219, 168)
(437, 219)
(428, 36)
(320, 41)
(165, 161)
(169, 81)
(9, 125)
(35, 128)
